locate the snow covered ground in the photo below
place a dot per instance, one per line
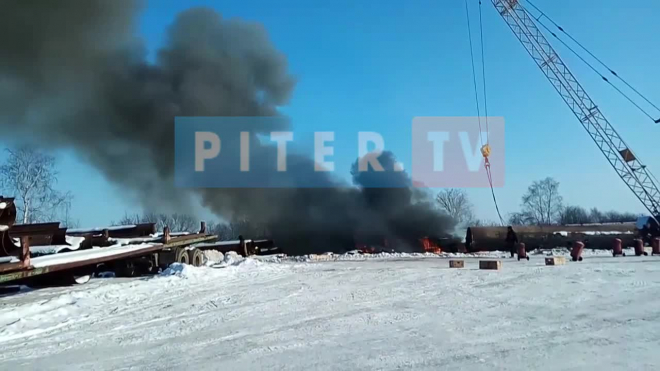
(400, 312)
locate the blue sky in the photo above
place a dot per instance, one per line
(378, 64)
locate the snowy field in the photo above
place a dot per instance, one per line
(352, 314)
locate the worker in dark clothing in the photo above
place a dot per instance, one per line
(243, 246)
(468, 240)
(646, 233)
(511, 240)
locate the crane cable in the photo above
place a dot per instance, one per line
(485, 148)
(543, 15)
(474, 73)
(483, 69)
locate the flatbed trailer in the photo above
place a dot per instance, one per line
(135, 257)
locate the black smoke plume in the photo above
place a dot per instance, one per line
(75, 74)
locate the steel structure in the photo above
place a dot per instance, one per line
(627, 165)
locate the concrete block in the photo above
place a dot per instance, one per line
(490, 264)
(555, 260)
(456, 264)
(320, 258)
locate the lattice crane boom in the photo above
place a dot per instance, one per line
(623, 160)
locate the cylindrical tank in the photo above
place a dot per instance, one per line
(551, 236)
(522, 251)
(656, 246)
(576, 252)
(639, 247)
(616, 247)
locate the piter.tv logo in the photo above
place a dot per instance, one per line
(208, 144)
(257, 152)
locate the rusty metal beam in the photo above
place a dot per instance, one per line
(129, 231)
(186, 237)
(166, 234)
(8, 267)
(40, 234)
(25, 251)
(188, 240)
(20, 230)
(59, 237)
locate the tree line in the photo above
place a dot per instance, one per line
(30, 177)
(542, 204)
(187, 223)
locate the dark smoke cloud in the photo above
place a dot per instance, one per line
(74, 74)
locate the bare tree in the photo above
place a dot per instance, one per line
(183, 223)
(188, 223)
(456, 203)
(618, 217)
(574, 215)
(543, 205)
(30, 176)
(520, 218)
(542, 202)
(176, 222)
(66, 219)
(222, 230)
(150, 217)
(484, 223)
(127, 219)
(578, 215)
(238, 226)
(596, 216)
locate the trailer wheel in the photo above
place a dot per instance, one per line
(76, 277)
(126, 269)
(80, 279)
(182, 256)
(150, 267)
(61, 279)
(196, 257)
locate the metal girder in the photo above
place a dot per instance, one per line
(617, 152)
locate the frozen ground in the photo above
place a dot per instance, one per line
(395, 313)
